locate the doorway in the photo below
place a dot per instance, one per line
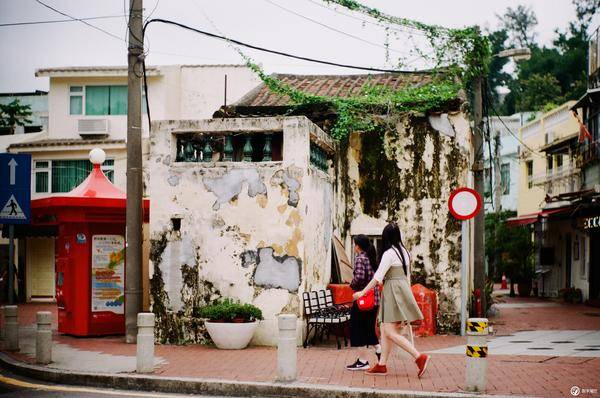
(594, 264)
(568, 261)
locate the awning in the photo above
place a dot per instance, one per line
(561, 144)
(527, 219)
(31, 231)
(591, 96)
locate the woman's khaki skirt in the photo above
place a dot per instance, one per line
(398, 303)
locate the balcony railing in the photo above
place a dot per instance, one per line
(589, 153)
(318, 157)
(229, 148)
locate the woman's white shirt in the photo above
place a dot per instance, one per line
(389, 259)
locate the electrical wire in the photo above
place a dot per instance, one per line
(263, 49)
(332, 28)
(60, 20)
(80, 20)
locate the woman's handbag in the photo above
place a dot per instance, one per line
(367, 302)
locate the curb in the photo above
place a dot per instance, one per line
(188, 385)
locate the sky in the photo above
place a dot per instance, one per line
(293, 26)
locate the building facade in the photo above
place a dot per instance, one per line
(87, 108)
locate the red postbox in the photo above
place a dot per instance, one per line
(90, 254)
(427, 302)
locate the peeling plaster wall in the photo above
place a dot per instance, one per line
(405, 172)
(251, 231)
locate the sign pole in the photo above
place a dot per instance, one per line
(11, 264)
(464, 264)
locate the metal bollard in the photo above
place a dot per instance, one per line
(287, 348)
(43, 338)
(11, 327)
(145, 342)
(477, 350)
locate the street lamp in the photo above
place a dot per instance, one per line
(518, 54)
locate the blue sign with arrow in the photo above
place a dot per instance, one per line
(15, 188)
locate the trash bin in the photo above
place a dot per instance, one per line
(427, 302)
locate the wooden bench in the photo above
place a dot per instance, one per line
(324, 317)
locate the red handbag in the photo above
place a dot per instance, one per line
(367, 302)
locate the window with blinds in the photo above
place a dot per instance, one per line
(59, 176)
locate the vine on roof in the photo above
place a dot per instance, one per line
(459, 55)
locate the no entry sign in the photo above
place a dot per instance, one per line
(464, 203)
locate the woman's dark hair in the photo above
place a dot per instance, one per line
(366, 246)
(391, 237)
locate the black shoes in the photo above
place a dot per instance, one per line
(358, 365)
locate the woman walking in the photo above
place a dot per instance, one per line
(398, 306)
(362, 322)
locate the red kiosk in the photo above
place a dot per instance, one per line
(90, 253)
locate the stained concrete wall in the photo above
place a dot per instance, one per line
(404, 171)
(250, 231)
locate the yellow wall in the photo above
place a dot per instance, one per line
(551, 126)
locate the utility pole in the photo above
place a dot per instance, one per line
(477, 169)
(497, 174)
(133, 260)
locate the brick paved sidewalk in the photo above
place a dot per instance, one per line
(544, 376)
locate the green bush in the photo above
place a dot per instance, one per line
(228, 310)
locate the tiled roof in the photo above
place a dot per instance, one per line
(331, 85)
(66, 142)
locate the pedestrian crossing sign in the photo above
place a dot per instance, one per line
(12, 210)
(15, 188)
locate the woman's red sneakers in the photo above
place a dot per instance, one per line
(421, 362)
(377, 370)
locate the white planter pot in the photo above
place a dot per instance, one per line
(231, 336)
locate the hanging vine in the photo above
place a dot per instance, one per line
(459, 55)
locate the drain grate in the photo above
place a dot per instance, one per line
(520, 341)
(539, 348)
(562, 342)
(592, 313)
(593, 345)
(587, 349)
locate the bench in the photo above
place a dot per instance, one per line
(324, 317)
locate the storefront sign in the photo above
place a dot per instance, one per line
(591, 222)
(108, 273)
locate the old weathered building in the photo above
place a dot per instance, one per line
(245, 205)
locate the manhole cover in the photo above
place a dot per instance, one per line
(520, 341)
(539, 348)
(592, 313)
(587, 349)
(562, 342)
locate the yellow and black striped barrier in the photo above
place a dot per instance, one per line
(477, 351)
(477, 326)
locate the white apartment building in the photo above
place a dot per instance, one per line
(87, 108)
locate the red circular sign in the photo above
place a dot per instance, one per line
(464, 203)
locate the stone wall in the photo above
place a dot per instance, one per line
(253, 231)
(404, 171)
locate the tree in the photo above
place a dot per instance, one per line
(520, 24)
(14, 114)
(496, 76)
(537, 91)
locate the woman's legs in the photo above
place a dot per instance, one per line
(390, 331)
(386, 345)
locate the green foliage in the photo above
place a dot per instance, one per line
(508, 249)
(228, 310)
(14, 114)
(537, 91)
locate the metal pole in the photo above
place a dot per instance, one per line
(133, 260)
(497, 175)
(464, 264)
(11, 265)
(477, 168)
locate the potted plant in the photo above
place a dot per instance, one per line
(230, 324)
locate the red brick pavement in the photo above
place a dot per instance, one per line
(525, 375)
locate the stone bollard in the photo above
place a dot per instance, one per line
(287, 348)
(11, 327)
(477, 350)
(43, 338)
(145, 342)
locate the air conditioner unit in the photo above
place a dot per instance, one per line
(95, 127)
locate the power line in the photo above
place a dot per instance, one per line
(263, 49)
(332, 28)
(80, 20)
(60, 20)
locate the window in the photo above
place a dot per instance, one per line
(582, 258)
(505, 178)
(529, 167)
(106, 100)
(76, 100)
(549, 164)
(375, 241)
(487, 181)
(64, 175)
(559, 162)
